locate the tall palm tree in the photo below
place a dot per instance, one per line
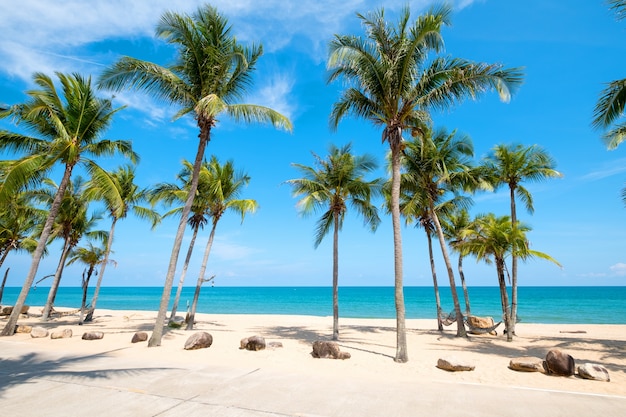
(510, 165)
(439, 163)
(492, 239)
(69, 123)
(169, 194)
(331, 185)
(224, 186)
(454, 224)
(120, 195)
(393, 84)
(211, 74)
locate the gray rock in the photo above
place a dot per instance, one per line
(93, 335)
(594, 372)
(559, 363)
(252, 343)
(61, 334)
(453, 364)
(139, 337)
(328, 350)
(200, 340)
(527, 364)
(37, 332)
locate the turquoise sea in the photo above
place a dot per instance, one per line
(600, 305)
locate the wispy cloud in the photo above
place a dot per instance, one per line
(610, 169)
(619, 269)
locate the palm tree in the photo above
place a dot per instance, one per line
(511, 165)
(331, 185)
(394, 85)
(91, 256)
(454, 224)
(18, 223)
(211, 74)
(70, 127)
(172, 193)
(492, 238)
(120, 195)
(439, 163)
(224, 185)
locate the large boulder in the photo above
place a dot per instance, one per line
(559, 363)
(6, 311)
(92, 335)
(594, 372)
(328, 350)
(61, 334)
(527, 364)
(139, 337)
(252, 343)
(200, 340)
(38, 332)
(453, 364)
(480, 323)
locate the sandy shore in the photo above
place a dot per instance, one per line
(371, 343)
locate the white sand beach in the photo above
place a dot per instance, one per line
(371, 343)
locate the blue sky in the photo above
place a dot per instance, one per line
(569, 50)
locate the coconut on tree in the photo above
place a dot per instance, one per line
(331, 186)
(395, 78)
(211, 75)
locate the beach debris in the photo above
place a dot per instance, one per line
(176, 322)
(93, 335)
(559, 363)
(328, 350)
(200, 340)
(23, 328)
(454, 364)
(593, 371)
(527, 364)
(61, 334)
(139, 337)
(252, 343)
(38, 331)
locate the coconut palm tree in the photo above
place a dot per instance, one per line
(91, 256)
(210, 76)
(393, 83)
(440, 164)
(70, 122)
(492, 239)
(454, 224)
(120, 195)
(331, 185)
(224, 186)
(510, 165)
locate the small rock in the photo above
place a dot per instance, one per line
(559, 363)
(527, 364)
(93, 335)
(454, 365)
(275, 345)
(200, 340)
(23, 328)
(61, 334)
(177, 322)
(328, 350)
(594, 372)
(37, 332)
(139, 337)
(252, 343)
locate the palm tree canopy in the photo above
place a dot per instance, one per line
(513, 164)
(332, 184)
(89, 255)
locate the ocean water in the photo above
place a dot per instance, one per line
(599, 305)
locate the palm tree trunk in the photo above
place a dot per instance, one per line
(105, 261)
(9, 328)
(464, 284)
(54, 287)
(435, 284)
(336, 277)
(4, 281)
(205, 260)
(460, 325)
(401, 346)
(157, 333)
(513, 266)
(5, 254)
(504, 299)
(183, 274)
(83, 304)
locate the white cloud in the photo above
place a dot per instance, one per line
(275, 94)
(619, 269)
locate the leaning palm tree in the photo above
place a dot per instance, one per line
(120, 195)
(393, 84)
(492, 239)
(510, 165)
(211, 74)
(69, 122)
(331, 185)
(224, 185)
(454, 224)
